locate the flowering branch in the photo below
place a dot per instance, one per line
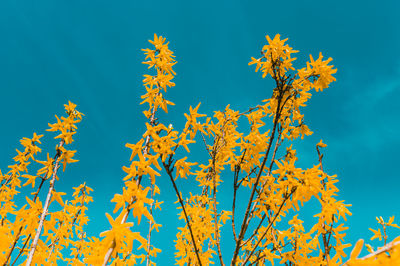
(46, 205)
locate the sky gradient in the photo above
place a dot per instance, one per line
(89, 52)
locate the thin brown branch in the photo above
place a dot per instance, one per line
(215, 220)
(255, 231)
(169, 172)
(277, 144)
(13, 245)
(22, 249)
(244, 223)
(250, 110)
(235, 188)
(258, 258)
(205, 144)
(268, 227)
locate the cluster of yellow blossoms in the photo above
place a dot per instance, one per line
(33, 232)
(258, 159)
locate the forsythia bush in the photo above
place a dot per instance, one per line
(251, 148)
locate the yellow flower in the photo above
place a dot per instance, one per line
(321, 144)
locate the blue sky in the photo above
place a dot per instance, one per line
(88, 52)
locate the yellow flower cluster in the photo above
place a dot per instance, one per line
(158, 141)
(33, 231)
(162, 59)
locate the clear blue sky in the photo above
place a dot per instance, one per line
(89, 52)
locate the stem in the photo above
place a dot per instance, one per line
(269, 226)
(325, 239)
(150, 223)
(277, 144)
(385, 237)
(22, 249)
(255, 231)
(243, 227)
(184, 210)
(235, 188)
(13, 246)
(45, 208)
(215, 221)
